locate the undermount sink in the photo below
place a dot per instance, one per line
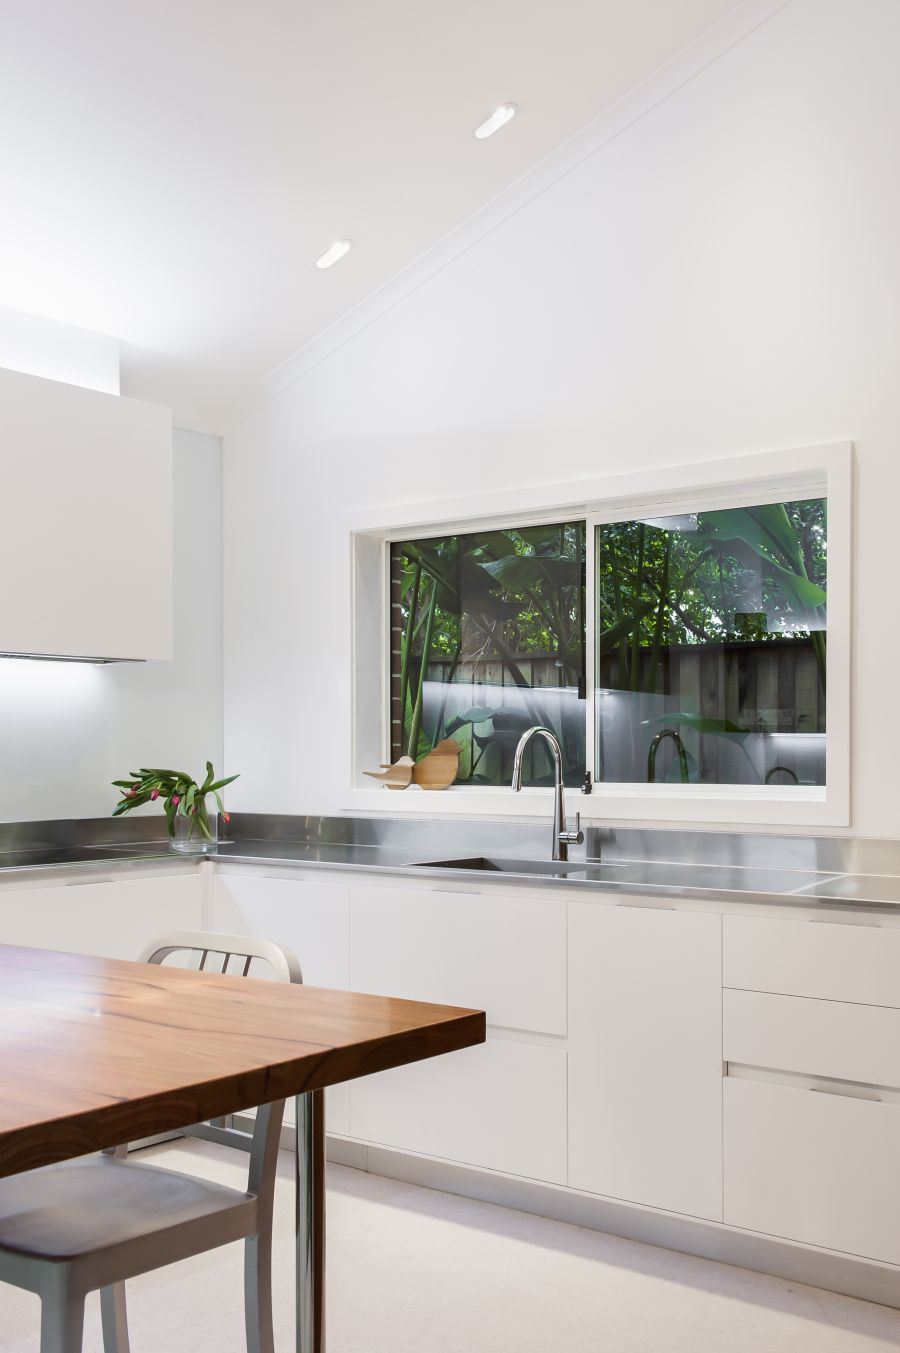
(494, 865)
(634, 875)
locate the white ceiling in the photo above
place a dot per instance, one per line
(170, 169)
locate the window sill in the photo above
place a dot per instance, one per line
(632, 805)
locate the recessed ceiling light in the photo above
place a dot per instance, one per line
(497, 119)
(334, 253)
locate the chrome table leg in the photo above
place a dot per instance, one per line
(309, 1162)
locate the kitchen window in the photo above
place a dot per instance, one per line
(685, 633)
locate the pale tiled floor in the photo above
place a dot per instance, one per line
(413, 1271)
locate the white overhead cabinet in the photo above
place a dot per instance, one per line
(86, 538)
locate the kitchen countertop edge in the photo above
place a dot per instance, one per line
(388, 862)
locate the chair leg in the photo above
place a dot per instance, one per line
(114, 1316)
(62, 1319)
(258, 1293)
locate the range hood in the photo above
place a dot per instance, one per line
(86, 544)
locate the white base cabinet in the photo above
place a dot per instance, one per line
(645, 1056)
(501, 1106)
(607, 1059)
(502, 953)
(812, 1098)
(308, 914)
(112, 917)
(815, 1167)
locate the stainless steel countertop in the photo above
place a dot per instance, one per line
(726, 883)
(15, 862)
(662, 879)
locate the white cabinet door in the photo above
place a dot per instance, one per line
(645, 1056)
(83, 476)
(501, 1106)
(499, 952)
(836, 1039)
(112, 918)
(818, 958)
(818, 1168)
(310, 916)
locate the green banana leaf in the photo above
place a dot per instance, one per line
(478, 714)
(532, 572)
(543, 539)
(496, 543)
(700, 723)
(765, 533)
(461, 583)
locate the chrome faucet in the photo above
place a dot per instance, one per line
(562, 839)
(679, 747)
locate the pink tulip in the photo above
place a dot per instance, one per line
(176, 799)
(130, 793)
(154, 795)
(227, 816)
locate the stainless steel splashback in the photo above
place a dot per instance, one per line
(57, 833)
(444, 838)
(431, 838)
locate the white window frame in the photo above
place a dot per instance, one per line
(782, 476)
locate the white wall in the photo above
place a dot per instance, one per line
(67, 729)
(723, 277)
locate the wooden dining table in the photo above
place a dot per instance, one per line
(96, 1052)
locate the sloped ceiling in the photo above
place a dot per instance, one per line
(170, 170)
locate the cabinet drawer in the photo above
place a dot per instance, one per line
(501, 1106)
(813, 1038)
(813, 958)
(818, 1168)
(505, 955)
(113, 918)
(309, 916)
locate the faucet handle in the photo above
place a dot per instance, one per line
(574, 838)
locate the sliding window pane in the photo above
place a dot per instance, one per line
(488, 638)
(711, 646)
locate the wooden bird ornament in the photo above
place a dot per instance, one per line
(439, 768)
(397, 776)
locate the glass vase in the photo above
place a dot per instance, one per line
(197, 833)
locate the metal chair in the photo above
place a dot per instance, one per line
(285, 968)
(91, 1223)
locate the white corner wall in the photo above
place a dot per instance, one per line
(721, 278)
(67, 729)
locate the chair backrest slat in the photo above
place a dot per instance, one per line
(284, 964)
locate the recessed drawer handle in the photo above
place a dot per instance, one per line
(848, 1092)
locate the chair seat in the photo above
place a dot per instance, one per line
(62, 1212)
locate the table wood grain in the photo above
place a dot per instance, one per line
(95, 1051)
